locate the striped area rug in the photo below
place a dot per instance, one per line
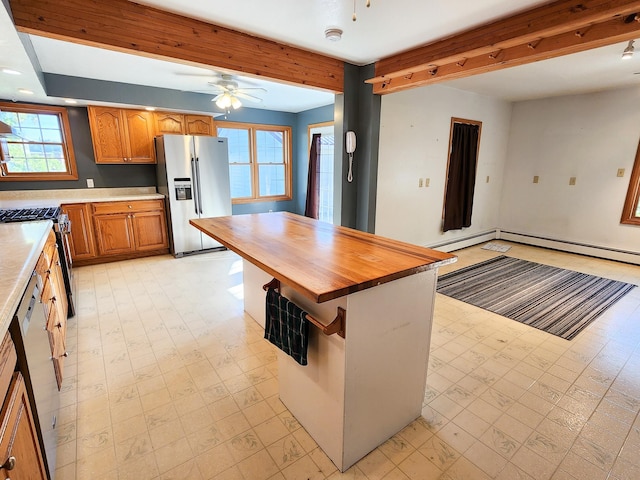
(558, 301)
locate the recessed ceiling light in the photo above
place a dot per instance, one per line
(25, 91)
(70, 100)
(10, 71)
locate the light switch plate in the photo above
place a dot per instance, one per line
(426, 182)
(621, 172)
(536, 179)
(572, 181)
(420, 183)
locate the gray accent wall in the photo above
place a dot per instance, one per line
(359, 111)
(104, 176)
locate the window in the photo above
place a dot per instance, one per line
(631, 210)
(43, 150)
(259, 161)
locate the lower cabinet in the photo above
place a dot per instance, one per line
(19, 447)
(81, 240)
(107, 231)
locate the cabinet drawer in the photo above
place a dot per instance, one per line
(8, 359)
(106, 208)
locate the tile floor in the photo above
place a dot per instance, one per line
(167, 378)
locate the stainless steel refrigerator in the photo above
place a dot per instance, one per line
(193, 175)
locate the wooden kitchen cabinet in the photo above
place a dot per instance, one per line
(81, 242)
(54, 302)
(183, 124)
(19, 445)
(199, 125)
(122, 135)
(129, 227)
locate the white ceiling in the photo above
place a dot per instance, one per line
(381, 30)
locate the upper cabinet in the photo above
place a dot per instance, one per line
(122, 135)
(183, 124)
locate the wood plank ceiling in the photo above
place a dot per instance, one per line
(551, 30)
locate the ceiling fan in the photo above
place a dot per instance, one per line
(230, 94)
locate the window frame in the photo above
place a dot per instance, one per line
(67, 145)
(633, 194)
(252, 128)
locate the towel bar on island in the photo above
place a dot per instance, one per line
(338, 325)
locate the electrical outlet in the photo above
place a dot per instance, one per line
(572, 181)
(536, 179)
(89, 182)
(426, 182)
(420, 183)
(621, 172)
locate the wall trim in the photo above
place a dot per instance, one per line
(572, 247)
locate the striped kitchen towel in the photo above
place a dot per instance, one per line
(286, 326)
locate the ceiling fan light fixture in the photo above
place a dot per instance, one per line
(333, 34)
(235, 102)
(628, 52)
(224, 101)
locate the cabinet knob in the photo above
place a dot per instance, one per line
(10, 464)
(65, 354)
(130, 206)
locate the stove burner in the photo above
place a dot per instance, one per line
(27, 214)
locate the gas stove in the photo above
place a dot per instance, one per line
(28, 214)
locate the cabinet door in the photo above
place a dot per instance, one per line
(150, 230)
(113, 234)
(107, 134)
(199, 125)
(170, 123)
(19, 440)
(139, 129)
(81, 238)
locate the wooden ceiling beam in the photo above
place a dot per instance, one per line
(132, 28)
(466, 53)
(594, 36)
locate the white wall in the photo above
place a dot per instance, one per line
(414, 139)
(586, 136)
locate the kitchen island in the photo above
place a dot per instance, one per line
(359, 390)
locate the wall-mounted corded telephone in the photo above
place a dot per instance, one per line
(350, 145)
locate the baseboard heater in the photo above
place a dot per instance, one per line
(538, 241)
(464, 242)
(571, 247)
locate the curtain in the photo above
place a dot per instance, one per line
(313, 179)
(461, 177)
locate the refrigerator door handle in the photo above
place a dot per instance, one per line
(195, 186)
(199, 193)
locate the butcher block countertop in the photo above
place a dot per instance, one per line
(21, 246)
(320, 260)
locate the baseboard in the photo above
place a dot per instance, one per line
(470, 241)
(571, 247)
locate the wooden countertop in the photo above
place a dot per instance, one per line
(21, 246)
(320, 260)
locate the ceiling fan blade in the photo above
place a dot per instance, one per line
(246, 96)
(217, 97)
(243, 89)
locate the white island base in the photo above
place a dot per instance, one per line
(356, 392)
